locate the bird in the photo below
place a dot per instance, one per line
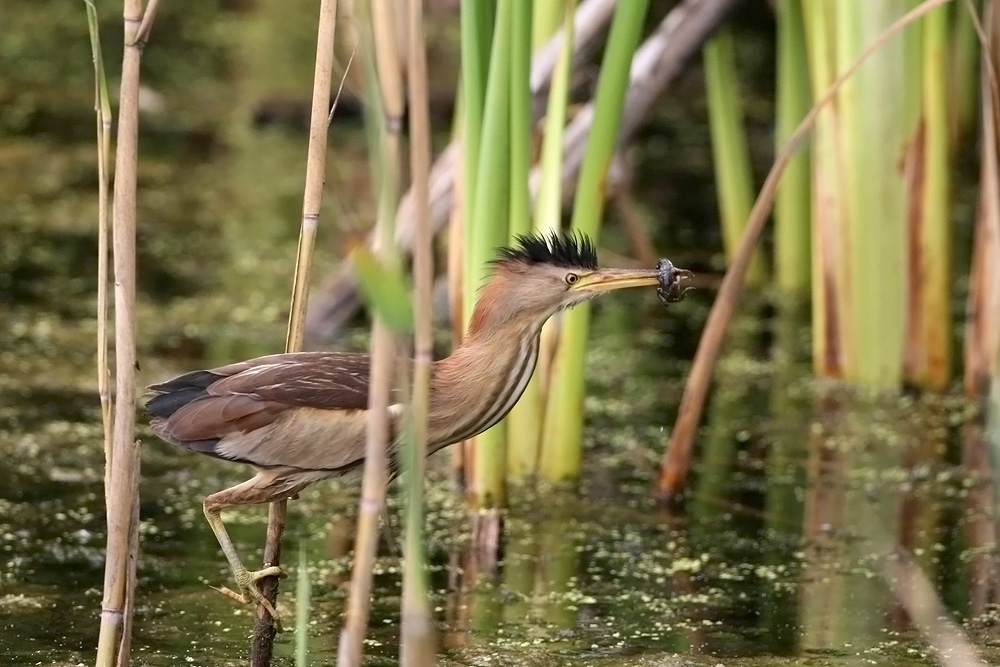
(297, 418)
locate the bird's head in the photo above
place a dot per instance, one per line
(542, 274)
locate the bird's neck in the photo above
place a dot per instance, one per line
(480, 382)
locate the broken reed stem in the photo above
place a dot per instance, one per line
(312, 200)
(102, 108)
(383, 346)
(122, 494)
(417, 641)
(677, 458)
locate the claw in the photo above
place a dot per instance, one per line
(249, 593)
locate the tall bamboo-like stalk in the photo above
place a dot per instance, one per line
(383, 350)
(730, 151)
(524, 424)
(485, 232)
(792, 209)
(262, 643)
(417, 641)
(928, 340)
(122, 496)
(563, 434)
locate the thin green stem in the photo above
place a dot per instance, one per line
(730, 151)
(792, 209)
(563, 435)
(488, 231)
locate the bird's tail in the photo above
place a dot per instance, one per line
(170, 396)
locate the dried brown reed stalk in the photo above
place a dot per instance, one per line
(264, 626)
(417, 641)
(677, 458)
(122, 476)
(982, 333)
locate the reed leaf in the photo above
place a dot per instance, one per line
(384, 289)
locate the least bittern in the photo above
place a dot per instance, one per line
(298, 418)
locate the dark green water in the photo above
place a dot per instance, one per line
(778, 556)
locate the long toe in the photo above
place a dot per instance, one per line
(254, 592)
(232, 595)
(270, 571)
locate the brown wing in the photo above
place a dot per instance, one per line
(246, 396)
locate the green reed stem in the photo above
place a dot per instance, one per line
(545, 20)
(792, 208)
(963, 75)
(303, 590)
(730, 150)
(417, 640)
(475, 44)
(488, 231)
(928, 339)
(563, 435)
(524, 423)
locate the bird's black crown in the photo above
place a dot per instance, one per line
(572, 250)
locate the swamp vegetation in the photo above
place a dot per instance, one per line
(779, 551)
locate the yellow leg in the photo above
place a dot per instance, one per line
(245, 580)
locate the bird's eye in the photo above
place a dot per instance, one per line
(571, 278)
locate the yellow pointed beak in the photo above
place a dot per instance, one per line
(605, 280)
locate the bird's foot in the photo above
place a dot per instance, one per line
(250, 593)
